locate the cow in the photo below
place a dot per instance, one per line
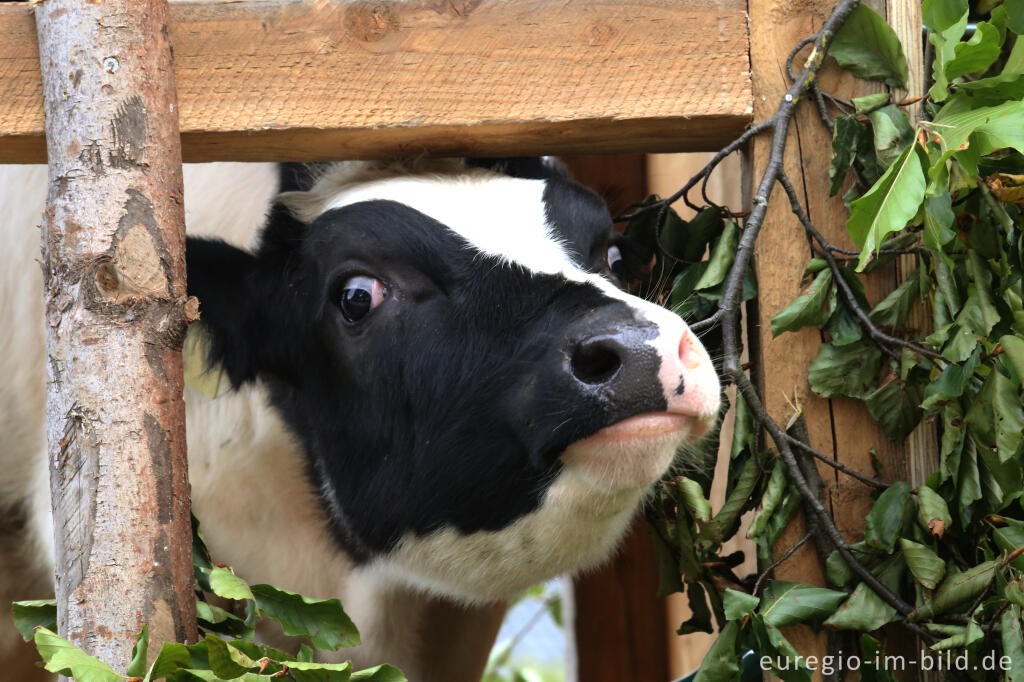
(433, 384)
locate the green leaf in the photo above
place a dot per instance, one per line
(1013, 355)
(216, 619)
(380, 673)
(1008, 538)
(811, 308)
(693, 497)
(884, 521)
(896, 406)
(137, 667)
(785, 603)
(310, 671)
(939, 15)
(976, 54)
(862, 610)
(996, 418)
(869, 48)
(892, 133)
(737, 499)
(979, 315)
(889, 205)
(722, 662)
(738, 604)
(862, 106)
(957, 589)
(932, 511)
(777, 484)
(171, 658)
(981, 130)
(951, 382)
(1013, 642)
(844, 148)
(925, 565)
(849, 370)
(894, 309)
(64, 658)
(722, 255)
(28, 615)
(944, 39)
(323, 621)
(224, 583)
(226, 661)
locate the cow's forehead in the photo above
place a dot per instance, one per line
(502, 217)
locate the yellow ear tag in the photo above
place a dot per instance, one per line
(195, 352)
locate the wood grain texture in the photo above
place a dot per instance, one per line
(840, 427)
(328, 79)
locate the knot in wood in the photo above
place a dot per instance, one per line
(370, 22)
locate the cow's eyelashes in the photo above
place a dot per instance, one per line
(360, 294)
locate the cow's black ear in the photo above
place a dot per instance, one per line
(251, 306)
(530, 167)
(223, 278)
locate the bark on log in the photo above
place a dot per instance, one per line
(116, 314)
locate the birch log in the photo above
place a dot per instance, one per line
(116, 313)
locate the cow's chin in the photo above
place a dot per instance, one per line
(632, 453)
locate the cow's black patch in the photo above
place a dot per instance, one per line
(448, 404)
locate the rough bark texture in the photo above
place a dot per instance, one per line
(116, 314)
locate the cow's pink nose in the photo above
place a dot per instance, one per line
(687, 375)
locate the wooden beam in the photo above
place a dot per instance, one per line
(322, 79)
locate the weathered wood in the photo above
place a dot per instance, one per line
(841, 427)
(116, 313)
(324, 79)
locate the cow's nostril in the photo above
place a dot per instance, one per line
(594, 362)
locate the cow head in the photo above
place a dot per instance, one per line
(481, 406)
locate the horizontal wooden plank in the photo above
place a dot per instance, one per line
(314, 80)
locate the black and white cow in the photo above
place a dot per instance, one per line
(435, 385)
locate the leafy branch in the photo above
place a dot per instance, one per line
(942, 560)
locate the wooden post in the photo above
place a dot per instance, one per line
(116, 315)
(839, 426)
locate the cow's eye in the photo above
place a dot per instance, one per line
(359, 295)
(615, 260)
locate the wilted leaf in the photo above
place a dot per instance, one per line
(932, 511)
(693, 497)
(784, 603)
(812, 307)
(849, 370)
(926, 566)
(738, 604)
(722, 662)
(844, 148)
(323, 621)
(862, 610)
(957, 589)
(884, 521)
(896, 406)
(889, 205)
(869, 48)
(894, 309)
(1013, 642)
(722, 255)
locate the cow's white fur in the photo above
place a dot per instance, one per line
(237, 444)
